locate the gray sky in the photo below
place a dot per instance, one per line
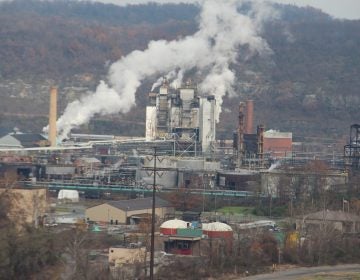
(346, 9)
(349, 9)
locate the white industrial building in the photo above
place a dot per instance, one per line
(182, 115)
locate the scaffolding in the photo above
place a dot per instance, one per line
(352, 150)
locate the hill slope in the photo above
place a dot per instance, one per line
(309, 85)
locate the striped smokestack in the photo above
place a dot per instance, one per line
(53, 116)
(249, 117)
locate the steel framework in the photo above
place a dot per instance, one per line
(352, 150)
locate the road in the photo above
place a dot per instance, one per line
(298, 273)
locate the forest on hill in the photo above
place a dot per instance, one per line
(309, 85)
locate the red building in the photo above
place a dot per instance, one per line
(278, 144)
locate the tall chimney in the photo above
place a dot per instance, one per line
(53, 116)
(249, 117)
(260, 143)
(240, 135)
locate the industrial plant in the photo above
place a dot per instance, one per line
(171, 139)
(181, 124)
(182, 115)
(179, 159)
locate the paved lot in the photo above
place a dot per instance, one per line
(300, 273)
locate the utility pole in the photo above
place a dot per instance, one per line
(152, 249)
(203, 202)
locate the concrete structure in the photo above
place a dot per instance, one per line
(181, 114)
(128, 211)
(53, 116)
(207, 122)
(164, 178)
(176, 171)
(150, 125)
(339, 220)
(278, 144)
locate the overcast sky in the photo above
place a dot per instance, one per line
(346, 9)
(349, 9)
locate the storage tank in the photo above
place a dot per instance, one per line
(217, 230)
(169, 227)
(71, 195)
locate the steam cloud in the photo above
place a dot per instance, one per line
(210, 52)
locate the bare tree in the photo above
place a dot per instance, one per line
(76, 254)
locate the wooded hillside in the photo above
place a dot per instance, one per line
(309, 85)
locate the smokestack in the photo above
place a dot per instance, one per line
(52, 116)
(260, 143)
(240, 137)
(249, 116)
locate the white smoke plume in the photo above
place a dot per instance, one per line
(274, 165)
(210, 52)
(169, 76)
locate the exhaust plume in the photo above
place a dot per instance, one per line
(209, 52)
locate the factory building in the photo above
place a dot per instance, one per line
(251, 149)
(23, 140)
(181, 114)
(246, 180)
(183, 172)
(248, 146)
(183, 238)
(128, 211)
(293, 183)
(278, 144)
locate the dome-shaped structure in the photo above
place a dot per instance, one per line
(217, 230)
(169, 227)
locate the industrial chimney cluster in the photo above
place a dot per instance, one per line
(246, 144)
(188, 118)
(181, 114)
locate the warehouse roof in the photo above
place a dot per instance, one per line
(138, 204)
(25, 140)
(329, 215)
(28, 137)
